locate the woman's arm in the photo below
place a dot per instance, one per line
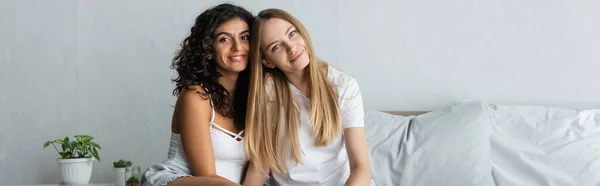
(201, 180)
(254, 176)
(192, 117)
(356, 146)
(353, 122)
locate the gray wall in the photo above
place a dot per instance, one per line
(102, 67)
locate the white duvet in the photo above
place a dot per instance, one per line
(542, 146)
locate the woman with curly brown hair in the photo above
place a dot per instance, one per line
(207, 141)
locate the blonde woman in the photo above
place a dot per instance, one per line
(305, 118)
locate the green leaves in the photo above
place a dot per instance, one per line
(47, 143)
(95, 153)
(121, 163)
(95, 145)
(65, 155)
(82, 147)
(84, 138)
(66, 144)
(133, 179)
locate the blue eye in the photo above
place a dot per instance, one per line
(275, 48)
(292, 33)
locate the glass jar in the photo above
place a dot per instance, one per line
(133, 175)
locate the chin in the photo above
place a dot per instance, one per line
(238, 67)
(301, 64)
(235, 69)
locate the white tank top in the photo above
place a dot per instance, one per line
(228, 147)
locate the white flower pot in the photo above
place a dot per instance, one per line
(120, 176)
(75, 171)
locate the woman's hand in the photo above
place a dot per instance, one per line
(254, 177)
(356, 146)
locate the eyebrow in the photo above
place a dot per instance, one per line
(287, 31)
(228, 34)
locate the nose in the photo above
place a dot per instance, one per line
(291, 47)
(237, 45)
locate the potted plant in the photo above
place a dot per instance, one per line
(76, 158)
(133, 181)
(119, 167)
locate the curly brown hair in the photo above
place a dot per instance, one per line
(195, 63)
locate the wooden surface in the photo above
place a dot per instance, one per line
(406, 113)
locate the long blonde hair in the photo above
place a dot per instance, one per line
(264, 140)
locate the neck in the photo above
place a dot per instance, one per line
(228, 81)
(300, 81)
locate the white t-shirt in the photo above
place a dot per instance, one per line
(325, 165)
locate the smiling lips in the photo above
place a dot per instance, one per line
(237, 58)
(298, 54)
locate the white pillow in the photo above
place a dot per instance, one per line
(385, 137)
(534, 145)
(447, 147)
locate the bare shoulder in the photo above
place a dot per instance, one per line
(192, 102)
(192, 116)
(193, 95)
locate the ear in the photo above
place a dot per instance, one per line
(267, 63)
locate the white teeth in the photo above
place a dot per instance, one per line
(237, 58)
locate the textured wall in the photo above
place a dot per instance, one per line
(102, 67)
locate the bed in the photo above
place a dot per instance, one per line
(480, 144)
